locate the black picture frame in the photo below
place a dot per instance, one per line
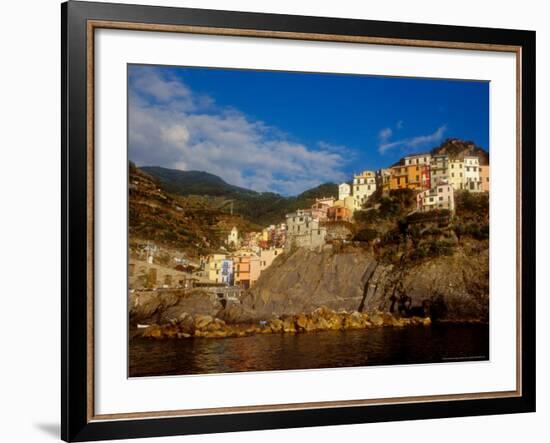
(76, 423)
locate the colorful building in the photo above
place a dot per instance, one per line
(213, 267)
(418, 159)
(303, 230)
(411, 172)
(226, 272)
(472, 180)
(383, 179)
(484, 177)
(241, 266)
(320, 207)
(438, 197)
(364, 185)
(439, 169)
(267, 256)
(339, 213)
(344, 190)
(399, 177)
(233, 238)
(456, 174)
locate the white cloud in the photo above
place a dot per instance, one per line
(384, 135)
(412, 143)
(176, 134)
(187, 131)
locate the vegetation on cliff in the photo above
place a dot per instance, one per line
(262, 208)
(457, 149)
(190, 224)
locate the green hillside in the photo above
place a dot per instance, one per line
(262, 208)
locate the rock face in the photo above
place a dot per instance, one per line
(306, 280)
(167, 306)
(295, 293)
(322, 319)
(453, 288)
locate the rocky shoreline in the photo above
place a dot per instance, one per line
(321, 319)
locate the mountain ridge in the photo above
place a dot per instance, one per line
(263, 208)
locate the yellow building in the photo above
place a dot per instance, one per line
(383, 178)
(214, 266)
(347, 202)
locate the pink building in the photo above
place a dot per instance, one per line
(320, 207)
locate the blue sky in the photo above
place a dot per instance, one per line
(287, 132)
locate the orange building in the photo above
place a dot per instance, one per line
(339, 213)
(410, 177)
(241, 269)
(399, 177)
(484, 177)
(246, 268)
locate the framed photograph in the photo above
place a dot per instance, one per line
(277, 221)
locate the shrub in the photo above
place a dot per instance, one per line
(475, 203)
(391, 237)
(436, 214)
(366, 235)
(474, 230)
(405, 197)
(441, 247)
(366, 216)
(389, 207)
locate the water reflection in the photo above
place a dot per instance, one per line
(330, 349)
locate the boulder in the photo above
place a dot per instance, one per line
(202, 321)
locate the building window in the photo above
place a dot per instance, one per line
(440, 198)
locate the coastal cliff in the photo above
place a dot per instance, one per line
(326, 290)
(453, 288)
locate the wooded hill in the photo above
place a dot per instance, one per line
(262, 208)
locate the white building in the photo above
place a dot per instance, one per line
(440, 196)
(233, 237)
(364, 185)
(303, 230)
(344, 190)
(472, 181)
(418, 159)
(456, 174)
(267, 256)
(439, 169)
